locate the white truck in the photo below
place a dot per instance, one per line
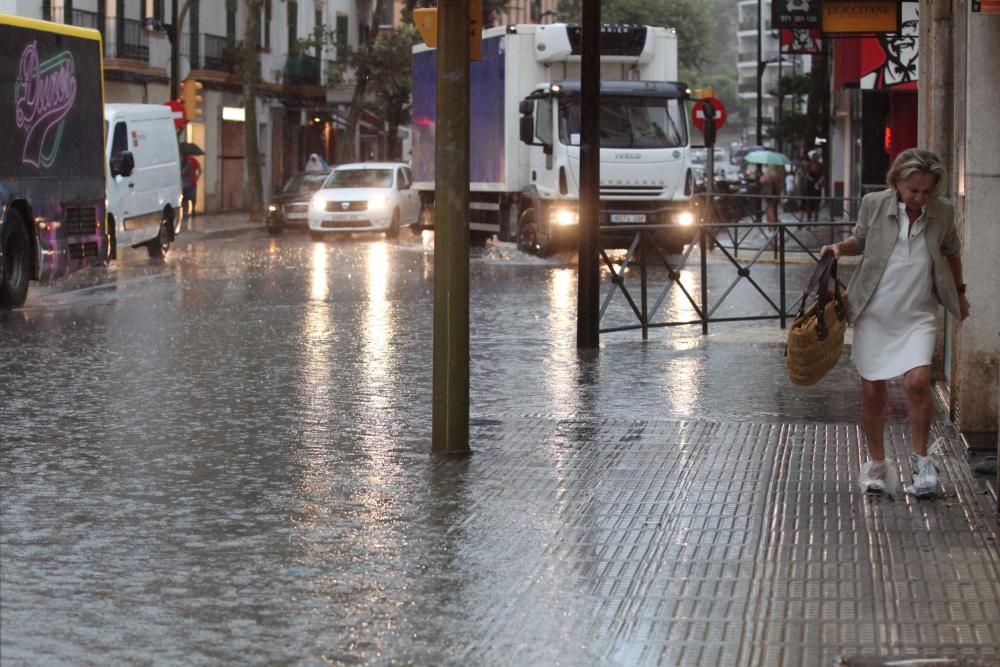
(525, 135)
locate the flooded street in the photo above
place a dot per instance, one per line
(224, 459)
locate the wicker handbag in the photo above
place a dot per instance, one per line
(816, 337)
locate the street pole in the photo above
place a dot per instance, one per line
(760, 71)
(588, 226)
(781, 105)
(175, 58)
(450, 428)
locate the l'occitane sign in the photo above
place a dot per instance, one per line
(860, 16)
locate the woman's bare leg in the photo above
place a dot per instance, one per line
(873, 400)
(919, 405)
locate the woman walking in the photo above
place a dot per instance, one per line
(910, 263)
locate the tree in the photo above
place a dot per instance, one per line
(391, 78)
(360, 61)
(251, 76)
(690, 17)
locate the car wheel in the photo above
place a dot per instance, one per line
(16, 264)
(393, 231)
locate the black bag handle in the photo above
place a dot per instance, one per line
(826, 268)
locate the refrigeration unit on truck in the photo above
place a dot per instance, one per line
(525, 135)
(52, 207)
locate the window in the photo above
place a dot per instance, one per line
(543, 121)
(386, 18)
(265, 24)
(230, 22)
(293, 26)
(153, 9)
(119, 143)
(628, 122)
(341, 37)
(318, 29)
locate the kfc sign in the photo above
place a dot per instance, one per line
(801, 14)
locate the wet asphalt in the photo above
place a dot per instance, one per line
(223, 458)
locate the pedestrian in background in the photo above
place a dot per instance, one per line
(190, 173)
(772, 187)
(910, 263)
(815, 178)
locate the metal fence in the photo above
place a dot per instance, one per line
(704, 290)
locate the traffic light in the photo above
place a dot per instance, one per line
(191, 98)
(426, 20)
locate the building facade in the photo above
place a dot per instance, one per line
(754, 28)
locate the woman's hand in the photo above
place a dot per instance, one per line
(833, 248)
(963, 303)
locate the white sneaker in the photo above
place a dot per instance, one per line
(925, 476)
(873, 476)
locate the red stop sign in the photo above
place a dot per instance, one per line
(179, 116)
(698, 113)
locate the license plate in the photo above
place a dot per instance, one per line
(296, 216)
(349, 218)
(628, 217)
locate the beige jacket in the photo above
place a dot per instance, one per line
(876, 234)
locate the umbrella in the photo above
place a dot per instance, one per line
(187, 148)
(767, 157)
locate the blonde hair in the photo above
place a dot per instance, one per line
(914, 160)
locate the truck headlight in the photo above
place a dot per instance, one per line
(563, 217)
(376, 203)
(684, 218)
(318, 203)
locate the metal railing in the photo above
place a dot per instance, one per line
(302, 69)
(704, 290)
(126, 38)
(220, 53)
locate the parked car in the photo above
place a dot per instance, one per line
(365, 197)
(290, 206)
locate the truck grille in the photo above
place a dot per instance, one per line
(631, 191)
(81, 220)
(82, 250)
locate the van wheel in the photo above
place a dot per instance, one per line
(16, 263)
(159, 246)
(393, 232)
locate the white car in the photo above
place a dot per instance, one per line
(365, 197)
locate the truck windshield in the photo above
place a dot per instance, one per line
(628, 122)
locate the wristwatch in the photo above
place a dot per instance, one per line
(961, 288)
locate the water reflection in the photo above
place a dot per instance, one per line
(318, 280)
(561, 362)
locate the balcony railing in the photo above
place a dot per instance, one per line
(221, 54)
(302, 70)
(129, 39)
(85, 19)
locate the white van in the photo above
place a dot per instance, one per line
(143, 176)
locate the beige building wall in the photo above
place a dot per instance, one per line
(959, 59)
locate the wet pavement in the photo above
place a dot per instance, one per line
(223, 459)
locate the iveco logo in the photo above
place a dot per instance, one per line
(628, 156)
(345, 205)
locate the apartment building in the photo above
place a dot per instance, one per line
(297, 112)
(771, 66)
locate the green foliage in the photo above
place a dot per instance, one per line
(691, 18)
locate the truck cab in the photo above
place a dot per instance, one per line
(644, 157)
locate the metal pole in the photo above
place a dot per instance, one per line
(781, 104)
(174, 37)
(760, 72)
(703, 242)
(643, 291)
(589, 276)
(451, 233)
(781, 274)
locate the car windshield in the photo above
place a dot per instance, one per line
(628, 122)
(305, 183)
(360, 178)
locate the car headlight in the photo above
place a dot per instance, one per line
(684, 218)
(318, 203)
(272, 208)
(563, 217)
(376, 203)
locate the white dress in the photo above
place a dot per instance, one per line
(895, 332)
